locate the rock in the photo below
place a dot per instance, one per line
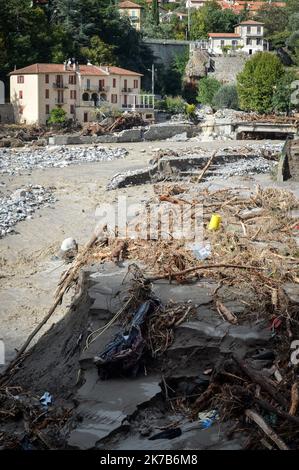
(21, 205)
(69, 249)
(17, 161)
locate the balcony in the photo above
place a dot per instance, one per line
(59, 85)
(127, 90)
(136, 102)
(60, 101)
(95, 88)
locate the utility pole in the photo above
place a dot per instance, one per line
(189, 20)
(153, 79)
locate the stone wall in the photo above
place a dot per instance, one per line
(225, 68)
(6, 114)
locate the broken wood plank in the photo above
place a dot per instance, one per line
(254, 416)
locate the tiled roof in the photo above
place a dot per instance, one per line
(128, 4)
(250, 22)
(84, 70)
(224, 35)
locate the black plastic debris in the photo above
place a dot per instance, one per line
(124, 352)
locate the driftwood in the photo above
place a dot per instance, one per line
(283, 414)
(199, 268)
(294, 399)
(206, 167)
(254, 416)
(225, 313)
(263, 381)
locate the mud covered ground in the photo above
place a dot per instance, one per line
(127, 411)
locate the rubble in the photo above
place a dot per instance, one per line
(228, 161)
(26, 160)
(172, 343)
(22, 205)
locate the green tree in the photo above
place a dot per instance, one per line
(207, 89)
(293, 44)
(226, 97)
(99, 52)
(155, 12)
(281, 100)
(211, 18)
(294, 22)
(256, 83)
(275, 19)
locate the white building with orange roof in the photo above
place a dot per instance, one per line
(78, 89)
(133, 11)
(248, 38)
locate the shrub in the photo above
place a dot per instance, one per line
(207, 89)
(173, 105)
(57, 116)
(226, 97)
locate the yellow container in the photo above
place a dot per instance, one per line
(215, 222)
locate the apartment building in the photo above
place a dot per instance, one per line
(248, 37)
(78, 89)
(133, 11)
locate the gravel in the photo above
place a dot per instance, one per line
(244, 167)
(14, 162)
(21, 205)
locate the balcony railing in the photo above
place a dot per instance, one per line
(95, 88)
(60, 101)
(139, 102)
(127, 90)
(59, 85)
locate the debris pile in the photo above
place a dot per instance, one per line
(204, 326)
(125, 121)
(20, 161)
(21, 205)
(168, 165)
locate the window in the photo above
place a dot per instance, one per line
(20, 79)
(47, 94)
(72, 80)
(259, 30)
(222, 42)
(101, 85)
(47, 109)
(258, 42)
(73, 94)
(20, 109)
(85, 117)
(72, 109)
(20, 94)
(248, 42)
(114, 99)
(88, 84)
(114, 83)
(47, 79)
(135, 83)
(248, 29)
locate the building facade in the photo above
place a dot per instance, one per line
(133, 11)
(248, 38)
(78, 89)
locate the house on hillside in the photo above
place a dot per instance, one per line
(248, 37)
(78, 89)
(133, 11)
